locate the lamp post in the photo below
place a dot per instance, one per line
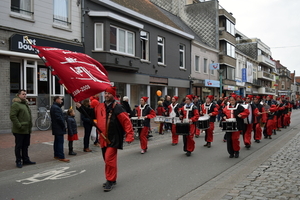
(221, 76)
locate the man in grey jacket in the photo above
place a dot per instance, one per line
(20, 115)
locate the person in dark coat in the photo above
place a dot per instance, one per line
(87, 125)
(126, 105)
(20, 116)
(58, 128)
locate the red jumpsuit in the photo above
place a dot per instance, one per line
(212, 109)
(174, 108)
(249, 126)
(233, 143)
(257, 119)
(271, 122)
(189, 112)
(143, 111)
(160, 112)
(108, 120)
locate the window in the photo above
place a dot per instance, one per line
(212, 71)
(282, 85)
(30, 77)
(230, 73)
(230, 27)
(98, 36)
(61, 13)
(22, 7)
(57, 89)
(181, 56)
(121, 41)
(238, 70)
(144, 45)
(205, 66)
(230, 50)
(160, 50)
(197, 64)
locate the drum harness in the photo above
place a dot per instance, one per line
(187, 111)
(232, 109)
(173, 114)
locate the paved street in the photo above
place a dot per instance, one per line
(269, 170)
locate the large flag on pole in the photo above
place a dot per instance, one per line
(81, 75)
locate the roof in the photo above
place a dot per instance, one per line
(145, 7)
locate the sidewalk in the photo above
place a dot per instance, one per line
(41, 147)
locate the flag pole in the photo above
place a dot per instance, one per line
(84, 112)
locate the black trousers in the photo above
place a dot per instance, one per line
(87, 134)
(22, 142)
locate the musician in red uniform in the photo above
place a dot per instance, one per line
(271, 121)
(250, 119)
(287, 113)
(146, 112)
(173, 112)
(197, 103)
(114, 123)
(160, 111)
(260, 119)
(189, 114)
(211, 109)
(279, 113)
(234, 110)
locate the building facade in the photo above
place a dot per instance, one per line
(21, 68)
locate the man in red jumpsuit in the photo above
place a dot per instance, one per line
(234, 110)
(114, 124)
(146, 112)
(259, 119)
(189, 114)
(211, 109)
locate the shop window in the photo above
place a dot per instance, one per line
(57, 89)
(30, 74)
(15, 78)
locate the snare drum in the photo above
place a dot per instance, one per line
(230, 125)
(203, 123)
(176, 120)
(159, 119)
(136, 122)
(182, 128)
(168, 119)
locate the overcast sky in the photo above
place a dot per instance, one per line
(275, 22)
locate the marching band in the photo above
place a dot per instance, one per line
(262, 115)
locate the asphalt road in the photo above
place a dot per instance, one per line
(163, 173)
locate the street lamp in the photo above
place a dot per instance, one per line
(221, 74)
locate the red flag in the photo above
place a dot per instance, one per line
(81, 75)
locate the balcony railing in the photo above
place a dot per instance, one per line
(265, 75)
(266, 90)
(267, 61)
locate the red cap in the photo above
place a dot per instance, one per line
(111, 90)
(176, 98)
(258, 97)
(211, 97)
(145, 98)
(234, 96)
(271, 96)
(250, 96)
(190, 97)
(273, 108)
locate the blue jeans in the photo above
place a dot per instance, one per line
(58, 146)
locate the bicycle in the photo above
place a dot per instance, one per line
(43, 122)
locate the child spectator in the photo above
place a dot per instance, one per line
(72, 130)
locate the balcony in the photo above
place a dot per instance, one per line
(256, 82)
(227, 60)
(267, 61)
(265, 90)
(224, 35)
(265, 75)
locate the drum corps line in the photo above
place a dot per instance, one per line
(264, 115)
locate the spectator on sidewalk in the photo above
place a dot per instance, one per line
(58, 128)
(126, 105)
(20, 116)
(72, 130)
(94, 101)
(87, 125)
